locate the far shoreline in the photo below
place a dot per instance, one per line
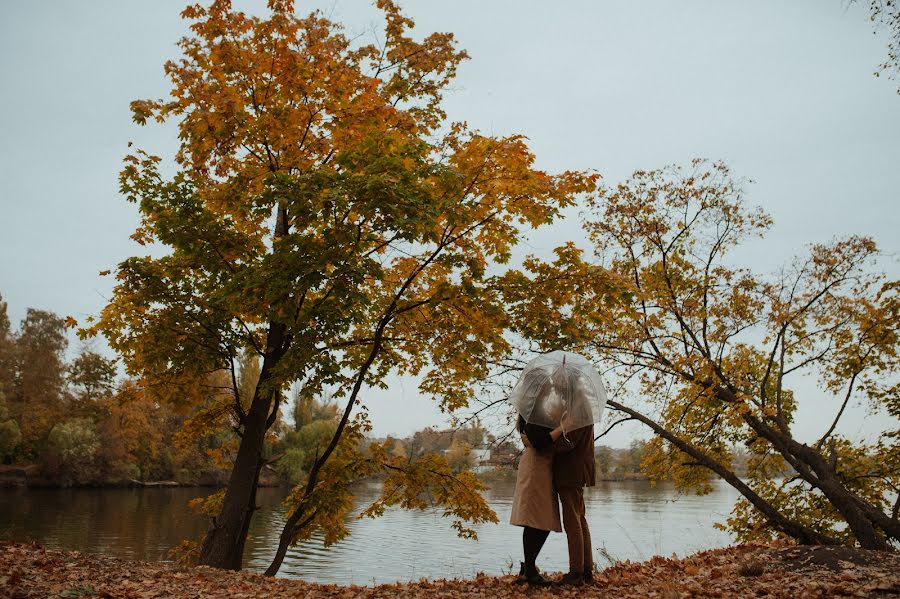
(27, 476)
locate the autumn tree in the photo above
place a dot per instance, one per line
(325, 216)
(398, 449)
(885, 16)
(472, 434)
(85, 426)
(604, 459)
(6, 350)
(91, 377)
(314, 425)
(630, 459)
(10, 434)
(133, 429)
(36, 393)
(72, 451)
(429, 440)
(306, 409)
(459, 455)
(716, 351)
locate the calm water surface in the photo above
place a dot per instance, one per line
(633, 520)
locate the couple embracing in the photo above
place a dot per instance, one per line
(558, 397)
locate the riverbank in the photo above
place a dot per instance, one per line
(31, 571)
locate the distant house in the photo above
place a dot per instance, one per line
(481, 458)
(502, 457)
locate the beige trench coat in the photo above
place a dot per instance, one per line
(535, 502)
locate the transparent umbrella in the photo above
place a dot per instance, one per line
(557, 383)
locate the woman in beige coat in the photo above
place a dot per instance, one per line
(535, 503)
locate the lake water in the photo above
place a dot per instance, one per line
(633, 520)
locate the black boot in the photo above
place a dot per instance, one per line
(531, 575)
(520, 579)
(575, 579)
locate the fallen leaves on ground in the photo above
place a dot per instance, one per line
(29, 570)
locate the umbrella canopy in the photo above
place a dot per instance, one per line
(559, 382)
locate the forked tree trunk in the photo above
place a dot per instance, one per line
(812, 466)
(223, 546)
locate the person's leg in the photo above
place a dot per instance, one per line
(586, 539)
(533, 540)
(572, 519)
(525, 549)
(540, 539)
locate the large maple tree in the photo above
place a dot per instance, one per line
(324, 215)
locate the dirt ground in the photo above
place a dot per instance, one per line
(29, 570)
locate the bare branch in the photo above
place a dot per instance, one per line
(840, 412)
(612, 426)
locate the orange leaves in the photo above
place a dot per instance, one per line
(429, 482)
(743, 571)
(281, 113)
(209, 505)
(141, 110)
(281, 92)
(562, 300)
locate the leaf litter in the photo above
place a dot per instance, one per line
(778, 571)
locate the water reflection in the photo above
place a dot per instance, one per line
(633, 520)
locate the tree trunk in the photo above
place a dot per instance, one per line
(803, 534)
(284, 541)
(292, 525)
(812, 466)
(223, 546)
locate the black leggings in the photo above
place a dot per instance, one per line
(532, 541)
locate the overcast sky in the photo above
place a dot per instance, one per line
(784, 92)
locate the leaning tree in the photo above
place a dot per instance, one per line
(716, 351)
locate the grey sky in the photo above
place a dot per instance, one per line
(782, 91)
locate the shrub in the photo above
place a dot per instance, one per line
(10, 437)
(72, 448)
